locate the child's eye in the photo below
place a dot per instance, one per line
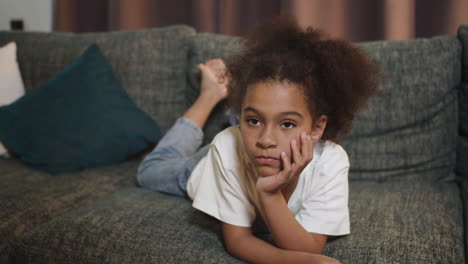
(253, 121)
(288, 124)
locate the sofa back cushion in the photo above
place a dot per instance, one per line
(409, 129)
(462, 147)
(149, 63)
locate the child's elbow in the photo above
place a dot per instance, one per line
(230, 250)
(231, 247)
(329, 260)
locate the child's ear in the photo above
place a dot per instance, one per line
(319, 128)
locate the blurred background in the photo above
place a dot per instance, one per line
(356, 20)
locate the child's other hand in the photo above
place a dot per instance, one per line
(302, 154)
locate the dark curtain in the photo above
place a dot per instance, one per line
(356, 20)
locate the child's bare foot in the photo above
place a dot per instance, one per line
(213, 89)
(213, 80)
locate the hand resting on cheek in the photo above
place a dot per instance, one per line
(302, 154)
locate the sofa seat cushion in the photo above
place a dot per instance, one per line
(398, 222)
(390, 223)
(30, 197)
(131, 226)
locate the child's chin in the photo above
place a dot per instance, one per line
(267, 171)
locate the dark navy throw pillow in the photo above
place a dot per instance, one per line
(82, 118)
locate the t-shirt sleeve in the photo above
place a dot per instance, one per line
(220, 193)
(325, 205)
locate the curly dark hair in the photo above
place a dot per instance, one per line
(337, 77)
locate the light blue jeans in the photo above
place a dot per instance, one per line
(168, 167)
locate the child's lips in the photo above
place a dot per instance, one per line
(263, 160)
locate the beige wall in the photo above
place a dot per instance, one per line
(36, 14)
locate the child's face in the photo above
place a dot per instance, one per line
(273, 113)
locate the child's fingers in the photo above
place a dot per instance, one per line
(304, 145)
(287, 167)
(307, 147)
(296, 152)
(299, 162)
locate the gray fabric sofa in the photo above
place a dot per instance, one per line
(408, 154)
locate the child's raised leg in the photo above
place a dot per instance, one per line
(169, 165)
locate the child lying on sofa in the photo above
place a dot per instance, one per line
(296, 93)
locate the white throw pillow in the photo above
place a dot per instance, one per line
(11, 84)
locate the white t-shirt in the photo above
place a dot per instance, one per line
(223, 186)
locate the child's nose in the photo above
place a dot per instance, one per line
(266, 139)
